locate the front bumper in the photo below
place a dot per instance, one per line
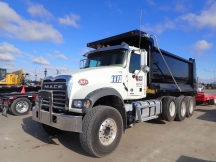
(57, 120)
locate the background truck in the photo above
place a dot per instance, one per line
(16, 94)
(125, 79)
(205, 98)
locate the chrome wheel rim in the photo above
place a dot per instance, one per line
(22, 106)
(183, 109)
(107, 131)
(172, 108)
(191, 106)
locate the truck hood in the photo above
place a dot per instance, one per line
(90, 72)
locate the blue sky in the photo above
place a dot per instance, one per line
(53, 34)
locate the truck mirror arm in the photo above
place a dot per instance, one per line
(166, 63)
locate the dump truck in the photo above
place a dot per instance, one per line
(16, 95)
(125, 79)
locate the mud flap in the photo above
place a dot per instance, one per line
(4, 111)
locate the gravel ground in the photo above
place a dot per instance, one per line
(194, 139)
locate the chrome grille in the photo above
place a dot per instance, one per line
(59, 93)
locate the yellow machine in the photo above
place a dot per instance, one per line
(15, 78)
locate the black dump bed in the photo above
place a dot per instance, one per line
(159, 78)
(131, 38)
(184, 72)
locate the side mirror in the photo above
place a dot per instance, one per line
(143, 61)
(145, 69)
(143, 56)
(82, 63)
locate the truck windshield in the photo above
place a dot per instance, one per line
(106, 58)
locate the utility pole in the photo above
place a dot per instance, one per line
(214, 79)
(35, 74)
(45, 72)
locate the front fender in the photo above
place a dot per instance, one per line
(102, 92)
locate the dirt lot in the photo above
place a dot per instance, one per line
(194, 139)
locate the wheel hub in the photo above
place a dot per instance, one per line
(22, 106)
(107, 131)
(172, 108)
(191, 107)
(183, 109)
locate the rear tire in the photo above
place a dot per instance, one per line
(102, 131)
(49, 130)
(169, 108)
(20, 106)
(181, 108)
(190, 106)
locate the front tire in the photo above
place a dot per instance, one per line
(20, 106)
(102, 131)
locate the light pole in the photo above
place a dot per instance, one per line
(35, 74)
(45, 72)
(214, 79)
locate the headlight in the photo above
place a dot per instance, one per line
(81, 103)
(78, 104)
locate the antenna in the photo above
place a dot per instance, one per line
(140, 27)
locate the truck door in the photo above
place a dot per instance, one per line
(136, 78)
